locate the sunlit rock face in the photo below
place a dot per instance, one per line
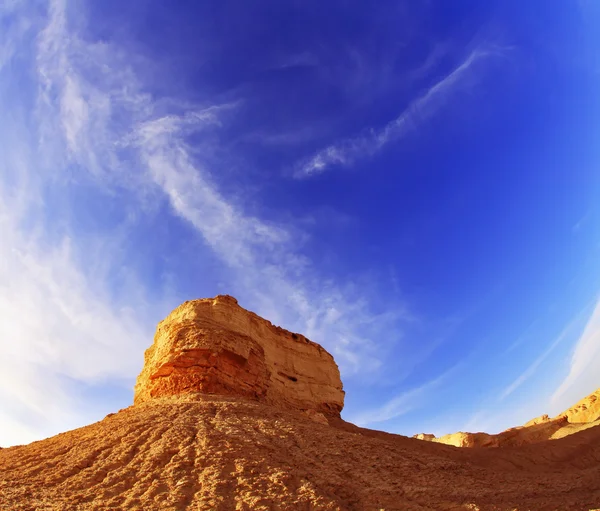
(214, 346)
(586, 410)
(583, 415)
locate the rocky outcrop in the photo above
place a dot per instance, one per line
(424, 436)
(214, 346)
(586, 410)
(585, 414)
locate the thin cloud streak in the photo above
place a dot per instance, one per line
(581, 380)
(346, 152)
(583, 370)
(57, 325)
(404, 402)
(63, 331)
(533, 367)
(267, 270)
(110, 131)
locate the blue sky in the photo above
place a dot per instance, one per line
(414, 185)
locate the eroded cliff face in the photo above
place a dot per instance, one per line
(214, 346)
(583, 415)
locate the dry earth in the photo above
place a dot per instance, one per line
(201, 453)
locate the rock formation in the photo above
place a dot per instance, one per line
(583, 415)
(214, 346)
(233, 413)
(585, 411)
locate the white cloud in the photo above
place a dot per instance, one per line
(347, 151)
(404, 402)
(584, 366)
(233, 235)
(566, 333)
(500, 413)
(530, 371)
(395, 407)
(61, 324)
(62, 331)
(269, 271)
(57, 324)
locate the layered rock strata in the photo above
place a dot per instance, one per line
(214, 346)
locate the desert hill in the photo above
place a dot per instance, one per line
(233, 413)
(583, 415)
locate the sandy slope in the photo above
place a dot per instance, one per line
(201, 453)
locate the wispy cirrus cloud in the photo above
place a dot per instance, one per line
(94, 121)
(585, 360)
(269, 273)
(62, 331)
(404, 402)
(568, 332)
(499, 412)
(346, 152)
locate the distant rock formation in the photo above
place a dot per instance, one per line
(586, 410)
(214, 346)
(583, 415)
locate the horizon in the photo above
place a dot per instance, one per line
(414, 186)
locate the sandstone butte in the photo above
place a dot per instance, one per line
(233, 413)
